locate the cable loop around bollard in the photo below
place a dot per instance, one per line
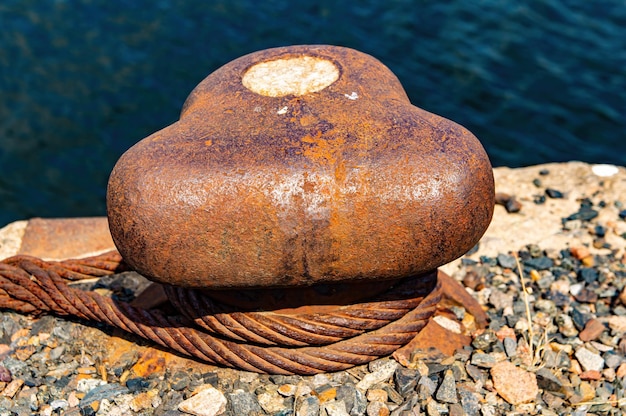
(266, 342)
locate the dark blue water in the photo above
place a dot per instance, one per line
(81, 81)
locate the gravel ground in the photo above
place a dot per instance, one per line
(558, 349)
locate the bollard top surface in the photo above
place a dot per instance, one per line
(294, 166)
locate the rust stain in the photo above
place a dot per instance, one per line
(323, 150)
(151, 362)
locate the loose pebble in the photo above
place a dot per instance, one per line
(207, 401)
(381, 374)
(510, 203)
(589, 360)
(271, 401)
(12, 388)
(245, 403)
(5, 375)
(553, 193)
(377, 395)
(506, 261)
(405, 380)
(483, 360)
(447, 390)
(514, 384)
(548, 380)
(309, 406)
(377, 408)
(426, 388)
(592, 331)
(335, 408)
(287, 390)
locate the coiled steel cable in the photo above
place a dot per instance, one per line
(265, 342)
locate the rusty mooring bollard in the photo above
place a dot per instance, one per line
(297, 166)
(295, 217)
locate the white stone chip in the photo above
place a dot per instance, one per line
(383, 373)
(576, 288)
(87, 384)
(604, 171)
(208, 401)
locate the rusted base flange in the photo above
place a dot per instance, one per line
(445, 332)
(326, 335)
